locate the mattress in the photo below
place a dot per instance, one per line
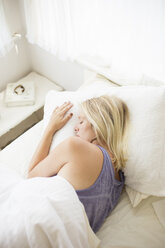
(125, 227)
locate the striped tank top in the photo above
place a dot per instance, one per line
(101, 198)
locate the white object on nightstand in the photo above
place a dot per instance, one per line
(16, 120)
(20, 93)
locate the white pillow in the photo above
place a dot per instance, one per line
(150, 81)
(145, 169)
(96, 79)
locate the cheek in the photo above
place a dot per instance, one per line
(88, 130)
(83, 129)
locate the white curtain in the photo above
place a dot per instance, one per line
(6, 41)
(126, 37)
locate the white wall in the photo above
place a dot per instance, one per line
(69, 75)
(33, 58)
(13, 66)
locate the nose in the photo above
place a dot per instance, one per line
(76, 129)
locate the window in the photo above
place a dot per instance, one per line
(6, 42)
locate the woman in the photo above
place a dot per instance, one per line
(92, 160)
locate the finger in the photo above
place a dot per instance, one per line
(68, 117)
(55, 109)
(64, 105)
(66, 108)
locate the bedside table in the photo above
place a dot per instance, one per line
(16, 120)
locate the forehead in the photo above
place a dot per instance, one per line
(82, 116)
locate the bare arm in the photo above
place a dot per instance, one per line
(57, 121)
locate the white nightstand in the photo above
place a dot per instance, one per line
(16, 120)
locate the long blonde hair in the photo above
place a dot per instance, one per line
(109, 117)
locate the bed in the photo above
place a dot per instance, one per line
(137, 221)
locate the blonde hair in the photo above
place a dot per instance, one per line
(109, 117)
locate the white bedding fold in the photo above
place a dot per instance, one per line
(41, 212)
(159, 207)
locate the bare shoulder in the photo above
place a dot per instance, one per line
(82, 147)
(75, 147)
(85, 163)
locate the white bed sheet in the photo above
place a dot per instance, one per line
(39, 212)
(126, 227)
(133, 227)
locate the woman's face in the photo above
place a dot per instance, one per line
(83, 129)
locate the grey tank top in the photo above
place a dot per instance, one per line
(101, 198)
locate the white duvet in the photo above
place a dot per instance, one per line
(41, 212)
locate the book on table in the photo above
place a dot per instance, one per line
(20, 94)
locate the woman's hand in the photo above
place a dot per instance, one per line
(60, 117)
